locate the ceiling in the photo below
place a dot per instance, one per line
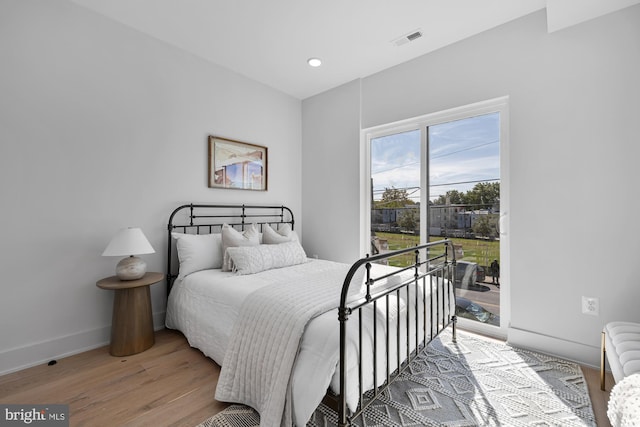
(270, 40)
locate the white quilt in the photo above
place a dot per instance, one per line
(264, 344)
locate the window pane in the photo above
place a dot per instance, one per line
(395, 184)
(464, 205)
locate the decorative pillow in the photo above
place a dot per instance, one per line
(198, 252)
(254, 259)
(282, 235)
(233, 238)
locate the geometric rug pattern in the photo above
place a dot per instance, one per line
(475, 382)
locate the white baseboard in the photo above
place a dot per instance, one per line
(42, 352)
(576, 352)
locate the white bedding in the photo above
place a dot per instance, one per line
(205, 307)
(261, 354)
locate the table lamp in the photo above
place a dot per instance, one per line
(129, 242)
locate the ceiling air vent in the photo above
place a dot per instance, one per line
(407, 38)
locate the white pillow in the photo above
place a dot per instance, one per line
(198, 252)
(233, 238)
(254, 259)
(281, 235)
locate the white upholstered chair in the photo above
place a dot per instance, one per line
(621, 348)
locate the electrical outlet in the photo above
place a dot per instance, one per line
(590, 305)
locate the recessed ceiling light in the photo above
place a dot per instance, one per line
(314, 62)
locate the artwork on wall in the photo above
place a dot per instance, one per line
(237, 165)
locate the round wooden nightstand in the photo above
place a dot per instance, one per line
(132, 321)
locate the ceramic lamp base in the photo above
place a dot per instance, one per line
(131, 268)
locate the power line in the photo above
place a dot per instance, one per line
(464, 182)
(395, 167)
(402, 188)
(437, 185)
(473, 147)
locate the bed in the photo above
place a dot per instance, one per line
(290, 332)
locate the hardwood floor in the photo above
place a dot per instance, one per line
(170, 384)
(599, 398)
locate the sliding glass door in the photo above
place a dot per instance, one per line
(442, 176)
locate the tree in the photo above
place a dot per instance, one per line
(410, 219)
(393, 198)
(483, 195)
(485, 225)
(453, 196)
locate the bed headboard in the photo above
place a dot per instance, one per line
(208, 219)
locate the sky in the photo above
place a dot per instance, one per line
(462, 152)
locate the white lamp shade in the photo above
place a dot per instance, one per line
(128, 241)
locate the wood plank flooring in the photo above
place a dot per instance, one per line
(170, 384)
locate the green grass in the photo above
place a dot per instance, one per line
(478, 251)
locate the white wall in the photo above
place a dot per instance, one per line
(573, 152)
(102, 127)
(331, 177)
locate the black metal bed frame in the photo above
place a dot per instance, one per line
(427, 272)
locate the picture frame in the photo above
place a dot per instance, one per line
(237, 165)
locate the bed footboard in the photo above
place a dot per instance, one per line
(422, 291)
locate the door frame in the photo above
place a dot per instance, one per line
(499, 105)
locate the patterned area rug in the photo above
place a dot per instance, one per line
(476, 382)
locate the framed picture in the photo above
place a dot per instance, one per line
(237, 165)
